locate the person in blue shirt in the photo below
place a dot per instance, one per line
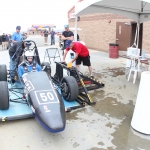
(28, 65)
(16, 37)
(52, 37)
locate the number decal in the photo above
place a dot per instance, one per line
(50, 96)
(46, 96)
(43, 97)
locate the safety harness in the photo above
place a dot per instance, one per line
(26, 69)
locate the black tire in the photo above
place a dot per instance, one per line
(4, 95)
(69, 88)
(3, 73)
(47, 67)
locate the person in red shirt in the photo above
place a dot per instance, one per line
(81, 54)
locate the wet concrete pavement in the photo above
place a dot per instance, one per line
(103, 126)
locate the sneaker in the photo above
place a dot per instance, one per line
(92, 76)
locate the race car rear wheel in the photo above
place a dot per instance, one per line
(3, 73)
(47, 68)
(4, 95)
(69, 88)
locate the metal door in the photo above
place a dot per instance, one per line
(123, 35)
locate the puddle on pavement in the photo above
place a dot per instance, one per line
(124, 137)
(109, 107)
(107, 72)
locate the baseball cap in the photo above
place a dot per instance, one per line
(66, 26)
(67, 43)
(18, 27)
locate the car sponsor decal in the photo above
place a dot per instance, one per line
(28, 85)
(46, 109)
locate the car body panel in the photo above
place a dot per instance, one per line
(20, 110)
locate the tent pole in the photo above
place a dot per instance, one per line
(138, 29)
(76, 26)
(135, 38)
(138, 32)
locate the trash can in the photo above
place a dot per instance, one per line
(113, 50)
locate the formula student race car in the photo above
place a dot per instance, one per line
(34, 95)
(40, 95)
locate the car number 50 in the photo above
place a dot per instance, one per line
(46, 96)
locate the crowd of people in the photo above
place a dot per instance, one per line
(4, 41)
(52, 35)
(81, 51)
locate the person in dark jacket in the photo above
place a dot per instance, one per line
(46, 36)
(3, 41)
(15, 51)
(0, 39)
(7, 41)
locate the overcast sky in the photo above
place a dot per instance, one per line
(28, 12)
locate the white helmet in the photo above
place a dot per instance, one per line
(27, 55)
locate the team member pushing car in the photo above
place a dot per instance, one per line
(81, 54)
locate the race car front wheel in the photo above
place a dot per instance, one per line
(69, 88)
(4, 95)
(3, 73)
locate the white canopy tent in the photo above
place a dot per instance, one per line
(137, 10)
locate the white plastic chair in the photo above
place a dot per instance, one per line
(52, 52)
(133, 63)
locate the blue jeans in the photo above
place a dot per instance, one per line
(52, 40)
(12, 67)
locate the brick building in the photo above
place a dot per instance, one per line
(101, 29)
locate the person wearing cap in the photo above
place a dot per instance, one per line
(67, 35)
(16, 37)
(81, 54)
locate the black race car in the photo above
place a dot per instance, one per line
(42, 95)
(35, 94)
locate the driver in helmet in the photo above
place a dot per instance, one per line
(29, 64)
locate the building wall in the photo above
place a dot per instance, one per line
(100, 29)
(146, 36)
